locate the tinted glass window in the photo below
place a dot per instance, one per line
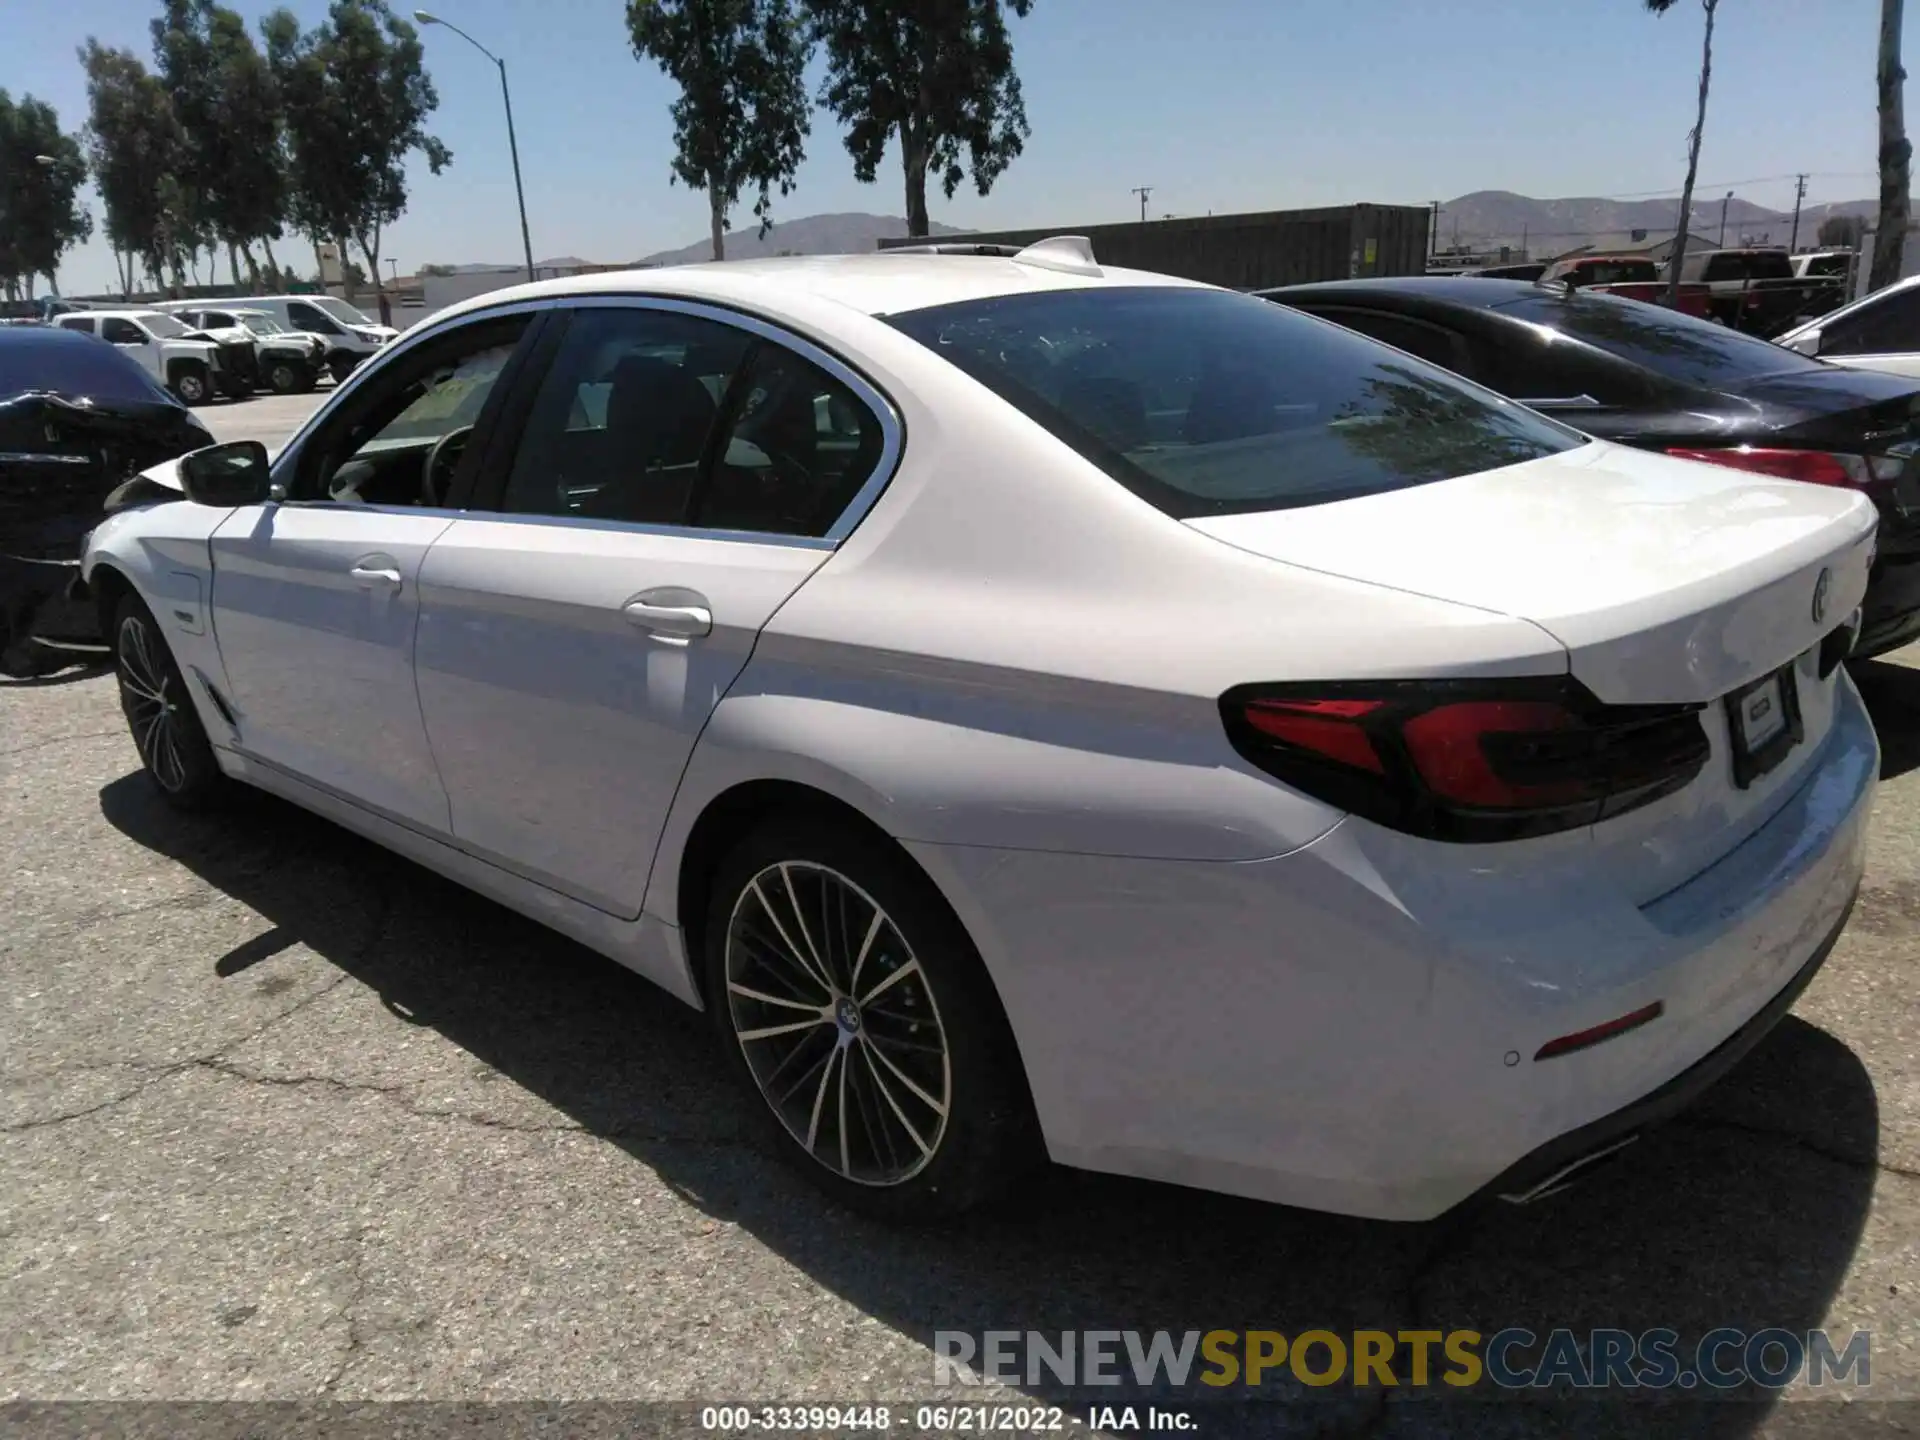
(121, 332)
(799, 448)
(1889, 325)
(1694, 352)
(82, 323)
(72, 367)
(1206, 403)
(401, 437)
(622, 419)
(305, 317)
(1416, 337)
(1826, 265)
(1615, 272)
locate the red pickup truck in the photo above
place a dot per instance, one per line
(1632, 277)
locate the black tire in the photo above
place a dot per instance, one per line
(172, 743)
(882, 1144)
(342, 366)
(192, 385)
(284, 377)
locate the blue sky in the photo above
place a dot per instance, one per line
(1219, 104)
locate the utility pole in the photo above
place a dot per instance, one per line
(1433, 232)
(1799, 194)
(1143, 191)
(1723, 219)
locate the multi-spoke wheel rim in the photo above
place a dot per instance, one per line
(146, 693)
(838, 1023)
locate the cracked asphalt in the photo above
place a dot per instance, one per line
(289, 1118)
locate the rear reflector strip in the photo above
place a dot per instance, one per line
(1583, 1039)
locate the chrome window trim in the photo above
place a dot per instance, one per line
(892, 429)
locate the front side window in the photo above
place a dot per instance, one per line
(1888, 326)
(116, 331)
(622, 419)
(1205, 402)
(402, 436)
(308, 318)
(340, 310)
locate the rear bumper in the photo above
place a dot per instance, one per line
(1561, 1159)
(1353, 1027)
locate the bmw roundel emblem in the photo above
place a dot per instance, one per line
(1820, 588)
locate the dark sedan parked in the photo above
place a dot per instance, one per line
(1645, 376)
(77, 418)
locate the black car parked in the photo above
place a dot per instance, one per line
(77, 419)
(1645, 376)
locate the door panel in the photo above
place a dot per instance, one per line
(316, 600)
(315, 608)
(565, 670)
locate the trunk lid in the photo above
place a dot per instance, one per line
(1666, 581)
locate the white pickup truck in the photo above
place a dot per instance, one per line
(194, 370)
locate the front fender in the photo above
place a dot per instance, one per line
(163, 553)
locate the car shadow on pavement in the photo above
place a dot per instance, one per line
(1892, 693)
(1746, 1212)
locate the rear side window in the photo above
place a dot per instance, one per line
(82, 323)
(1205, 402)
(1679, 347)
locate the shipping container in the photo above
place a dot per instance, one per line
(1247, 252)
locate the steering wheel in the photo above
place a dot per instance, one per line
(446, 451)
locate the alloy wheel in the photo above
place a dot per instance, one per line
(838, 1023)
(152, 708)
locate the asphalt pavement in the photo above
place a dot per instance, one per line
(287, 1117)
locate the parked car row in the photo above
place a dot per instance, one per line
(203, 350)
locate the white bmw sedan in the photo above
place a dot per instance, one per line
(1045, 710)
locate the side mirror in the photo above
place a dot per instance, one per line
(236, 473)
(1806, 344)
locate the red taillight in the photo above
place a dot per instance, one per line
(1581, 1039)
(1324, 727)
(1467, 760)
(1816, 467)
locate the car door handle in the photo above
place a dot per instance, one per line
(374, 574)
(683, 615)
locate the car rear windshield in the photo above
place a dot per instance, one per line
(1204, 402)
(1693, 352)
(73, 366)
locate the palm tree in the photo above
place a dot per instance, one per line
(1896, 154)
(1661, 7)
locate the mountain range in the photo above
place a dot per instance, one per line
(1487, 219)
(848, 233)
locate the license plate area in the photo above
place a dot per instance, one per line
(1763, 724)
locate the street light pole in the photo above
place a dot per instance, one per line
(49, 164)
(513, 145)
(1723, 218)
